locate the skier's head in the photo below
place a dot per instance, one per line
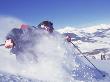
(46, 25)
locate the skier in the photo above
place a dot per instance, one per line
(21, 40)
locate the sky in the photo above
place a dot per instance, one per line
(77, 13)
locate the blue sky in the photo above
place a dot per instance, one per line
(62, 13)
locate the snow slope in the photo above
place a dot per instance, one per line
(60, 62)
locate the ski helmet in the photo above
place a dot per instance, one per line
(47, 25)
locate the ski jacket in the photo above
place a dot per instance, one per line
(22, 39)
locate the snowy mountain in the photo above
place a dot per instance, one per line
(94, 40)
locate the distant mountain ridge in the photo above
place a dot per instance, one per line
(94, 40)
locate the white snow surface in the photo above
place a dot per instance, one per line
(58, 62)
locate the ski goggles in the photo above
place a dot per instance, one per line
(49, 28)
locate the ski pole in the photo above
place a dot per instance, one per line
(88, 59)
(2, 44)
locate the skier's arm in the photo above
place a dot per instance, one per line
(11, 38)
